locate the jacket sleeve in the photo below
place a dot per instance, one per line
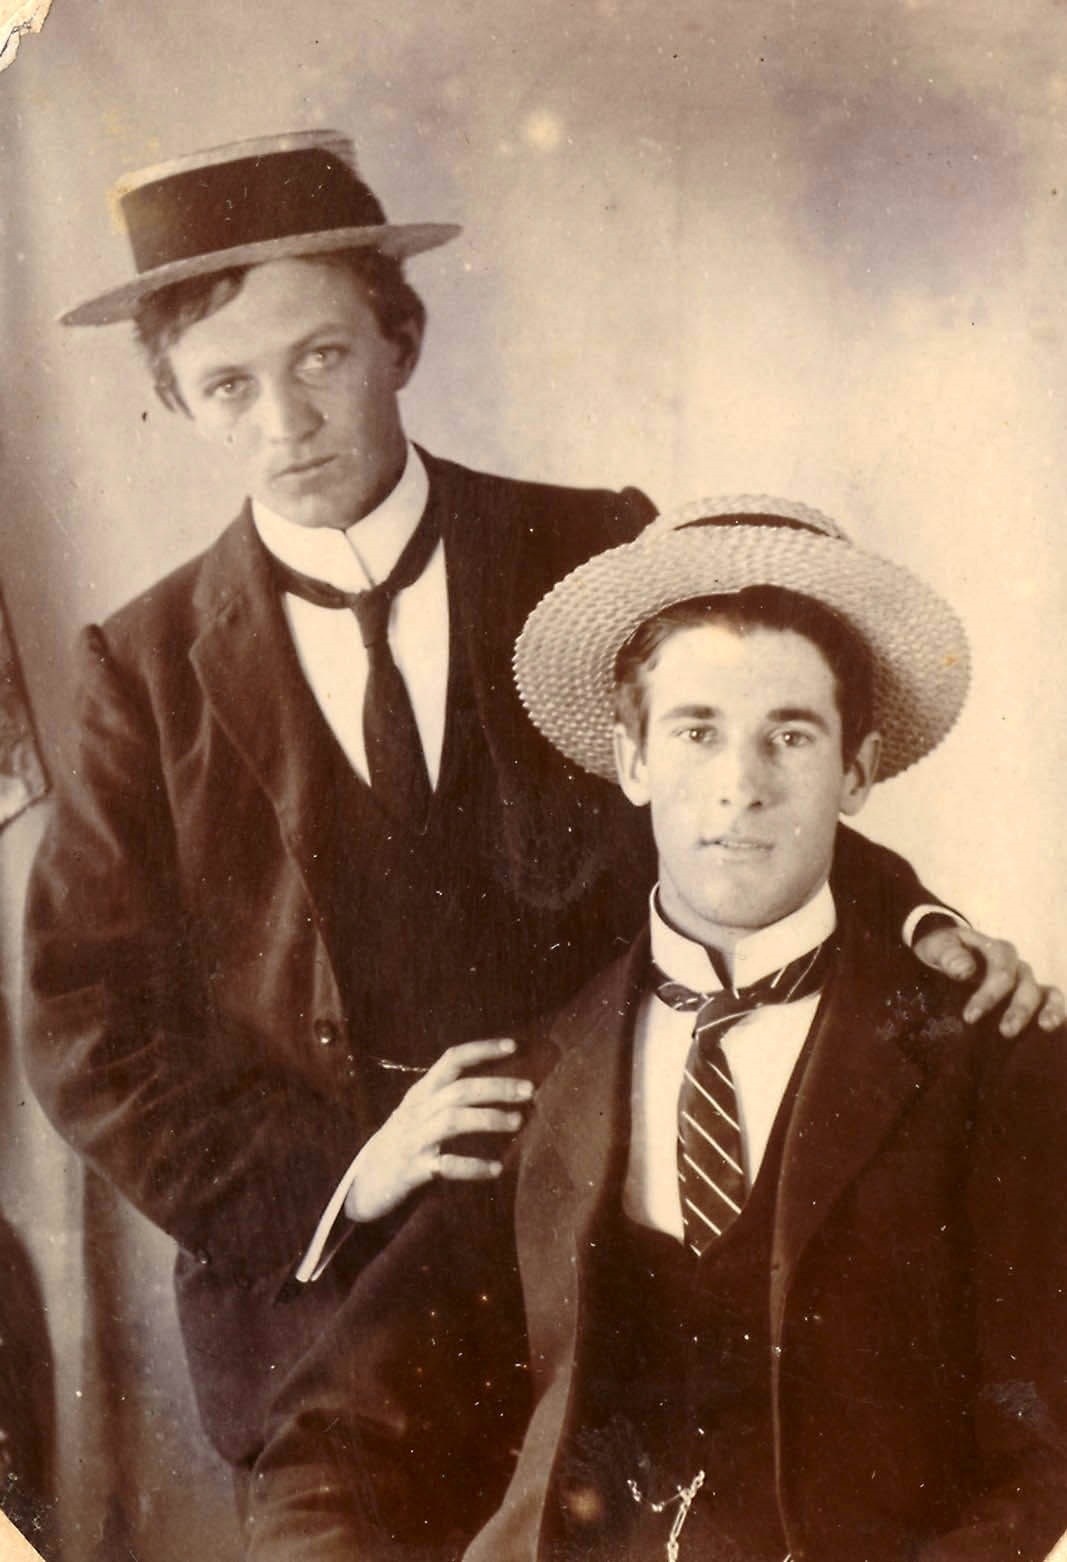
(394, 1439)
(876, 885)
(1018, 1217)
(631, 511)
(231, 1155)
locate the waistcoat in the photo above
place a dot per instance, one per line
(432, 937)
(674, 1369)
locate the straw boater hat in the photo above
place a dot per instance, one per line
(245, 203)
(565, 656)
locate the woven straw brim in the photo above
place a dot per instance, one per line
(565, 656)
(398, 240)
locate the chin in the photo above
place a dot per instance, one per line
(738, 919)
(314, 517)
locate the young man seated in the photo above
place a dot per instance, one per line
(777, 1267)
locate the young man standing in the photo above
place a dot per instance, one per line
(778, 1267)
(306, 839)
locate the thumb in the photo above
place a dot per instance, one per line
(945, 950)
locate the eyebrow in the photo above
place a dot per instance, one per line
(799, 713)
(691, 713)
(780, 713)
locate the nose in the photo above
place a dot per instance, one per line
(287, 414)
(740, 778)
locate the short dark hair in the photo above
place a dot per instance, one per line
(163, 317)
(756, 607)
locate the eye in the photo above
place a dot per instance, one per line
(701, 735)
(227, 390)
(320, 359)
(792, 737)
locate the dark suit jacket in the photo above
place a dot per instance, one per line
(185, 1025)
(184, 1020)
(27, 1405)
(917, 1297)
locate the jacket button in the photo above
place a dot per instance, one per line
(584, 1505)
(326, 1032)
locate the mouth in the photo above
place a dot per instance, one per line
(739, 845)
(299, 469)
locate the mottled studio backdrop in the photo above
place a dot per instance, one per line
(710, 246)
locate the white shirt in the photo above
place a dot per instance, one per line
(762, 1050)
(328, 643)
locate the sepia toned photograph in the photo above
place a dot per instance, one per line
(531, 670)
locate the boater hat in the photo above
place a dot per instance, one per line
(245, 203)
(565, 656)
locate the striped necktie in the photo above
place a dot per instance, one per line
(396, 761)
(711, 1174)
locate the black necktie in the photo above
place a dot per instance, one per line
(396, 762)
(711, 1174)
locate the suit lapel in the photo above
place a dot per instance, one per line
(249, 672)
(858, 1081)
(583, 1108)
(480, 565)
(575, 1139)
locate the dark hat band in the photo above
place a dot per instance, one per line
(248, 201)
(782, 522)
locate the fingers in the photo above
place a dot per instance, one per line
(1029, 1001)
(446, 1088)
(468, 1054)
(1008, 976)
(477, 1089)
(963, 953)
(466, 1168)
(475, 1120)
(1002, 970)
(433, 1162)
(445, 1103)
(1025, 1002)
(1054, 1009)
(405, 1152)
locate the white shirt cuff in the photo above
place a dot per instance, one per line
(916, 914)
(320, 1250)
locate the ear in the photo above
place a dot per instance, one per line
(631, 766)
(861, 774)
(407, 340)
